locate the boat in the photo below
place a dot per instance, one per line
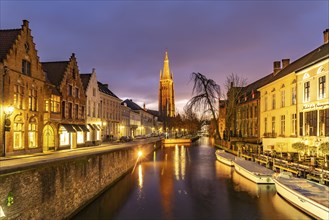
(225, 157)
(308, 196)
(253, 171)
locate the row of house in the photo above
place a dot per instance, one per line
(289, 105)
(54, 106)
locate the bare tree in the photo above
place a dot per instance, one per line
(206, 96)
(234, 86)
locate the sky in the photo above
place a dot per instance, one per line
(125, 41)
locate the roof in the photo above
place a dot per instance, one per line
(55, 71)
(252, 89)
(85, 80)
(153, 112)
(132, 105)
(104, 89)
(7, 40)
(314, 56)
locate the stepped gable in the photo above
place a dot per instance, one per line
(55, 71)
(7, 40)
(85, 78)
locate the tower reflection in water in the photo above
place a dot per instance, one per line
(172, 176)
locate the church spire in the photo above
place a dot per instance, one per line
(166, 69)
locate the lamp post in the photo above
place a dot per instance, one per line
(6, 126)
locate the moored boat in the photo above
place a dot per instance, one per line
(253, 171)
(225, 157)
(306, 195)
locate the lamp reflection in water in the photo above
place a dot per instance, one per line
(179, 162)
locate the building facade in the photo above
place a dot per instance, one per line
(23, 89)
(166, 91)
(110, 113)
(71, 130)
(313, 99)
(93, 108)
(294, 103)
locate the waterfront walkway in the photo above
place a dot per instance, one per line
(16, 163)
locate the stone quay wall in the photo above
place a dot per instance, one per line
(58, 189)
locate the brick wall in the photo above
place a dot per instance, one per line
(56, 190)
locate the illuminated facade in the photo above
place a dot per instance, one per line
(23, 87)
(93, 108)
(166, 90)
(110, 112)
(294, 103)
(72, 131)
(313, 99)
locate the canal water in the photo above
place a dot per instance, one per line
(186, 182)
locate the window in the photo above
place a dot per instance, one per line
(26, 67)
(273, 125)
(265, 125)
(311, 123)
(55, 103)
(18, 96)
(18, 133)
(322, 87)
(82, 112)
(77, 95)
(32, 100)
(283, 98)
(294, 124)
(73, 73)
(293, 96)
(326, 122)
(322, 122)
(283, 125)
(307, 91)
(94, 109)
(94, 92)
(80, 137)
(88, 110)
(76, 111)
(32, 133)
(273, 101)
(63, 110)
(64, 137)
(69, 90)
(46, 105)
(301, 117)
(70, 110)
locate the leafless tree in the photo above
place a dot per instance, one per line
(206, 96)
(234, 86)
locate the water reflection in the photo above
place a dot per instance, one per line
(188, 183)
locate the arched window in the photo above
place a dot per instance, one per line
(33, 133)
(18, 132)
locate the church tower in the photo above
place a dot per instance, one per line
(166, 90)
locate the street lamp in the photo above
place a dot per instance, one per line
(6, 127)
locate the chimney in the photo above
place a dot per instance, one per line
(276, 67)
(326, 36)
(285, 63)
(26, 23)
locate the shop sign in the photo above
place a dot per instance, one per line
(316, 106)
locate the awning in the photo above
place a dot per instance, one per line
(68, 127)
(91, 126)
(84, 128)
(96, 127)
(77, 128)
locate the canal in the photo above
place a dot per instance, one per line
(188, 183)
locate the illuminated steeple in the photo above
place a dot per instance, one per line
(166, 90)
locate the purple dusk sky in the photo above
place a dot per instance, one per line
(125, 40)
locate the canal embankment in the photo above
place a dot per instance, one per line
(56, 185)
